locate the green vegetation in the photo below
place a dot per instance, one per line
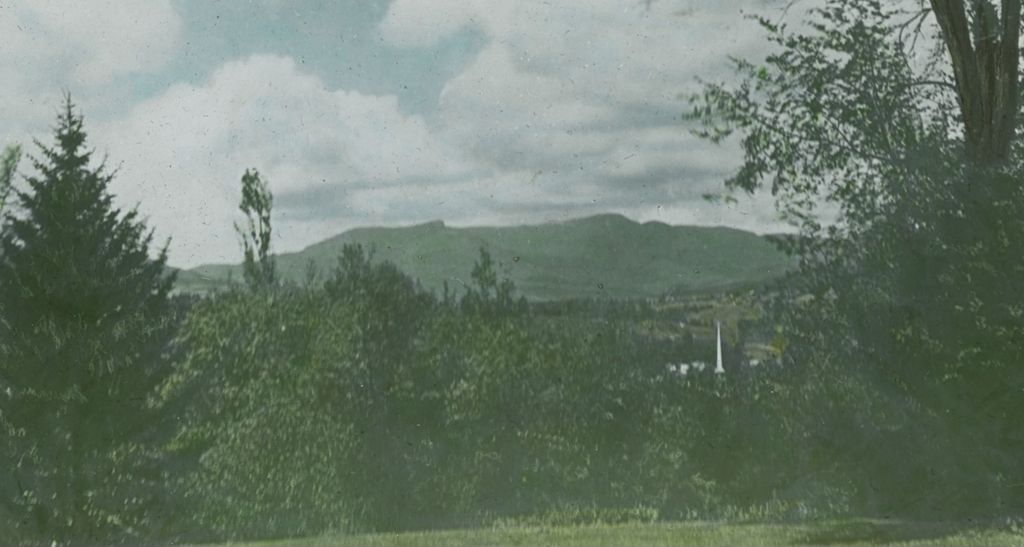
(259, 268)
(8, 166)
(367, 401)
(875, 533)
(911, 296)
(86, 322)
(606, 256)
(482, 412)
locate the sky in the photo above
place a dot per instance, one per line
(384, 112)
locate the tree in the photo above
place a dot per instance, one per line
(259, 267)
(490, 295)
(8, 167)
(915, 276)
(83, 330)
(984, 52)
(840, 111)
(263, 369)
(334, 368)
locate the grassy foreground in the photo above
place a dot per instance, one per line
(873, 533)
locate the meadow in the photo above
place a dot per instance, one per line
(849, 532)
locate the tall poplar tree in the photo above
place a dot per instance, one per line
(259, 266)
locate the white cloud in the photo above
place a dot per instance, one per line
(49, 46)
(571, 108)
(509, 116)
(620, 44)
(103, 38)
(588, 92)
(184, 151)
(411, 23)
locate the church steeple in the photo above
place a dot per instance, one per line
(719, 369)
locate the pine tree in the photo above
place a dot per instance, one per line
(8, 167)
(83, 325)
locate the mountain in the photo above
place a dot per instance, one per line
(606, 256)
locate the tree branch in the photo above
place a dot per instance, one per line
(938, 83)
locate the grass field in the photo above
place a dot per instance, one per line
(847, 533)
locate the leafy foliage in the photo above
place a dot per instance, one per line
(258, 267)
(416, 412)
(834, 117)
(362, 401)
(912, 287)
(258, 432)
(490, 295)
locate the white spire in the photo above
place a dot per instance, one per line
(719, 369)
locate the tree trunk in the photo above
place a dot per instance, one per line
(985, 57)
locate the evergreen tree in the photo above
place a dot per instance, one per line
(83, 324)
(8, 166)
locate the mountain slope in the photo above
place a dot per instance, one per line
(601, 256)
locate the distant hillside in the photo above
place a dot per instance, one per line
(607, 256)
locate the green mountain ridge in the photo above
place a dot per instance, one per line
(603, 256)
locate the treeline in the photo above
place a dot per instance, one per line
(358, 401)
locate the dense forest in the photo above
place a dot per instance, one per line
(355, 399)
